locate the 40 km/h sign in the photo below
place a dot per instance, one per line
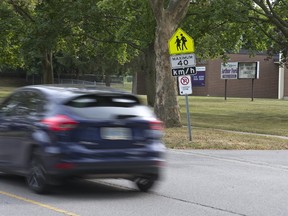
(184, 71)
(185, 60)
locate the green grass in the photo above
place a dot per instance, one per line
(213, 121)
(5, 91)
(127, 86)
(265, 116)
(206, 138)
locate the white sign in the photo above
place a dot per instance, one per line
(184, 71)
(248, 70)
(229, 70)
(185, 85)
(183, 61)
(203, 68)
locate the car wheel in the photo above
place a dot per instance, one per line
(144, 184)
(36, 178)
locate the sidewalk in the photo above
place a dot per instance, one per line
(266, 135)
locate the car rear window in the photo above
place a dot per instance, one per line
(108, 107)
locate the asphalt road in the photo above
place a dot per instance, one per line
(195, 182)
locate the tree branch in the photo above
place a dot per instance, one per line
(272, 11)
(178, 9)
(268, 35)
(21, 11)
(269, 14)
(131, 44)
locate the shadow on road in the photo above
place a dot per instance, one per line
(75, 188)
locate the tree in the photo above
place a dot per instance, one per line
(225, 26)
(217, 27)
(41, 29)
(135, 32)
(78, 28)
(10, 49)
(168, 17)
(270, 18)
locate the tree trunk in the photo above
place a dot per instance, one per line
(108, 80)
(47, 65)
(150, 75)
(166, 104)
(134, 84)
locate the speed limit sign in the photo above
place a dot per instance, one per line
(185, 85)
(183, 61)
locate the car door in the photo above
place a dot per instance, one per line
(32, 106)
(8, 114)
(18, 114)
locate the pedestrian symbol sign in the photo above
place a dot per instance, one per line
(180, 43)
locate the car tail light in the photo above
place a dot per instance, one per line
(156, 125)
(60, 123)
(155, 130)
(64, 166)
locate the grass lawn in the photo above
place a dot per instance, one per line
(266, 116)
(5, 91)
(212, 116)
(206, 138)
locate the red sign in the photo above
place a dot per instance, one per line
(185, 85)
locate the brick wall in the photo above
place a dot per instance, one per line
(264, 87)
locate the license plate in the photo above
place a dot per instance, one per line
(116, 133)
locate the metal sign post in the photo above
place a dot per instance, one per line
(188, 118)
(185, 88)
(225, 89)
(252, 96)
(229, 70)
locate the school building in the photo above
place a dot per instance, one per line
(272, 80)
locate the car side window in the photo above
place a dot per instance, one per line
(23, 104)
(9, 107)
(34, 103)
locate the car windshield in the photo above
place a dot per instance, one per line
(108, 107)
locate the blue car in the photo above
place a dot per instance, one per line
(50, 134)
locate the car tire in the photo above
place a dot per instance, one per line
(36, 178)
(144, 184)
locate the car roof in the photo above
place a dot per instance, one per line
(63, 93)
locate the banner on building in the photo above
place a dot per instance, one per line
(198, 79)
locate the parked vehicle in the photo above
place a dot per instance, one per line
(49, 134)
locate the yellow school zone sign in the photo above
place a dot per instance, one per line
(181, 43)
